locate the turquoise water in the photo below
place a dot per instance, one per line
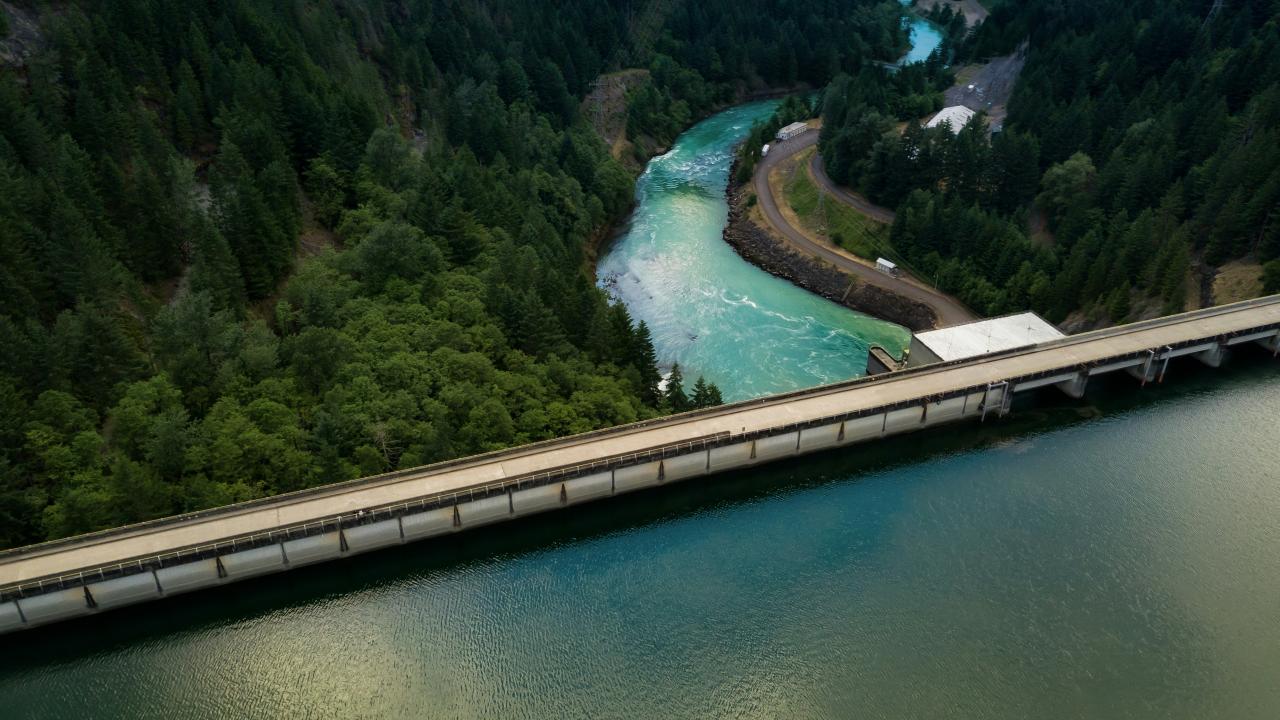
(709, 309)
(1113, 560)
(925, 36)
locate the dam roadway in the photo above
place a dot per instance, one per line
(92, 573)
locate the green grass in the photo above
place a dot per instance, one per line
(828, 218)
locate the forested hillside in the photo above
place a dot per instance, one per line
(714, 51)
(166, 343)
(1146, 134)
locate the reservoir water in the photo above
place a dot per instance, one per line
(1116, 558)
(709, 309)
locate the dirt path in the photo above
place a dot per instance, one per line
(948, 310)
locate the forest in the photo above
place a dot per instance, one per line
(1144, 137)
(249, 246)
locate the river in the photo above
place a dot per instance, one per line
(924, 38)
(708, 309)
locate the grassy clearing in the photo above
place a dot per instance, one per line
(1237, 280)
(828, 218)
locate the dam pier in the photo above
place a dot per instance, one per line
(94, 573)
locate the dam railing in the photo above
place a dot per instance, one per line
(235, 543)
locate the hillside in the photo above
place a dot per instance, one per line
(168, 343)
(1145, 134)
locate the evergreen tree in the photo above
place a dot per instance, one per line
(700, 393)
(705, 394)
(645, 360)
(674, 396)
(713, 395)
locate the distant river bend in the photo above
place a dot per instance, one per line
(708, 309)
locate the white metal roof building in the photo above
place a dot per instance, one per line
(980, 338)
(957, 116)
(792, 130)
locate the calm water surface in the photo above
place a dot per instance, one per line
(1120, 561)
(709, 309)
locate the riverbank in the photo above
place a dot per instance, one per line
(945, 310)
(607, 107)
(760, 248)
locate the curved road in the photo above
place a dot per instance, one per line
(948, 310)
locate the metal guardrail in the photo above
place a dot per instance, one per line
(449, 498)
(367, 516)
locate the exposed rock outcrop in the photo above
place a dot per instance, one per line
(23, 39)
(762, 250)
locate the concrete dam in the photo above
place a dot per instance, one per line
(93, 573)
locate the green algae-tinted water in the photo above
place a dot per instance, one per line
(1118, 561)
(709, 309)
(925, 37)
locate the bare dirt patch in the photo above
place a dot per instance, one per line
(987, 87)
(973, 10)
(1237, 280)
(605, 107)
(1038, 229)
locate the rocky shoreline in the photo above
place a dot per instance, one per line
(758, 247)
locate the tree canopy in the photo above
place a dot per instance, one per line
(1144, 137)
(167, 343)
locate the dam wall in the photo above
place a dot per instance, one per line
(372, 531)
(91, 574)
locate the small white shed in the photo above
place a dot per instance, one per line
(886, 266)
(792, 130)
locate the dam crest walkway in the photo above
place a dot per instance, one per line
(165, 556)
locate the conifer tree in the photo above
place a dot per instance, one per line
(713, 395)
(705, 394)
(700, 393)
(674, 396)
(645, 360)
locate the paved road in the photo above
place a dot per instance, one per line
(948, 310)
(818, 405)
